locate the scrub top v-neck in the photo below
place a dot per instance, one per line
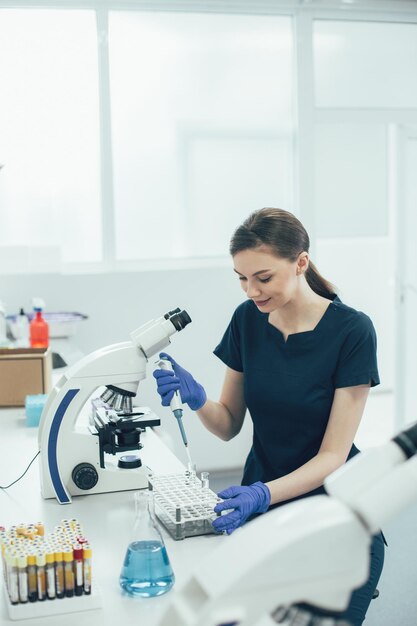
(289, 385)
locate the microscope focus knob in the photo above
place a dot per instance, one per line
(85, 476)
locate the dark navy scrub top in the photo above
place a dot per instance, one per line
(289, 385)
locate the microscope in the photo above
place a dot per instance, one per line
(298, 565)
(82, 435)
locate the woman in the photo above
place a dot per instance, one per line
(302, 362)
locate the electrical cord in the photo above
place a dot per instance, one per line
(17, 479)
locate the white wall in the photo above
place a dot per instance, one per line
(363, 270)
(118, 303)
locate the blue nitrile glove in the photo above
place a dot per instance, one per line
(168, 382)
(245, 501)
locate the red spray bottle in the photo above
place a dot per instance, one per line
(38, 330)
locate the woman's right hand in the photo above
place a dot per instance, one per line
(168, 382)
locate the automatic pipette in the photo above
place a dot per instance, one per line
(176, 408)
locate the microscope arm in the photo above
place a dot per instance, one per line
(120, 368)
(314, 551)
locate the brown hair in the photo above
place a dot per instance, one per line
(286, 236)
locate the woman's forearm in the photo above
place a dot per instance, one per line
(217, 418)
(305, 478)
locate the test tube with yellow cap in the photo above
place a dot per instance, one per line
(32, 581)
(69, 571)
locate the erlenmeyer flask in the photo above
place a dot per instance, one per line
(146, 570)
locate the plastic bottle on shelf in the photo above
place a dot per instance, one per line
(4, 342)
(22, 329)
(38, 328)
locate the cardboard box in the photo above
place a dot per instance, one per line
(24, 371)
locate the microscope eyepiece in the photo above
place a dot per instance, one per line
(168, 315)
(154, 336)
(179, 319)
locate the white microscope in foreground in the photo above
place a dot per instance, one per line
(80, 458)
(297, 565)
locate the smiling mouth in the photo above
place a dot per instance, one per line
(261, 302)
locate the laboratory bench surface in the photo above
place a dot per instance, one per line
(107, 521)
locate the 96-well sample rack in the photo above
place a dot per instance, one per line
(184, 504)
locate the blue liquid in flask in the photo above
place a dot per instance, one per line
(146, 570)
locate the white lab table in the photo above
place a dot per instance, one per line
(107, 520)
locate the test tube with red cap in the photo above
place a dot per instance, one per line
(78, 569)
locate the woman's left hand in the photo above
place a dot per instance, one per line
(245, 501)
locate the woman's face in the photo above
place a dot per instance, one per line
(270, 281)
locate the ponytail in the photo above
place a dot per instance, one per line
(320, 285)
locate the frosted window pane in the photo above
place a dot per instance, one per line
(178, 77)
(408, 278)
(365, 64)
(410, 200)
(229, 178)
(49, 135)
(351, 174)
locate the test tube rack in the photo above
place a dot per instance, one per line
(56, 607)
(29, 540)
(183, 504)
